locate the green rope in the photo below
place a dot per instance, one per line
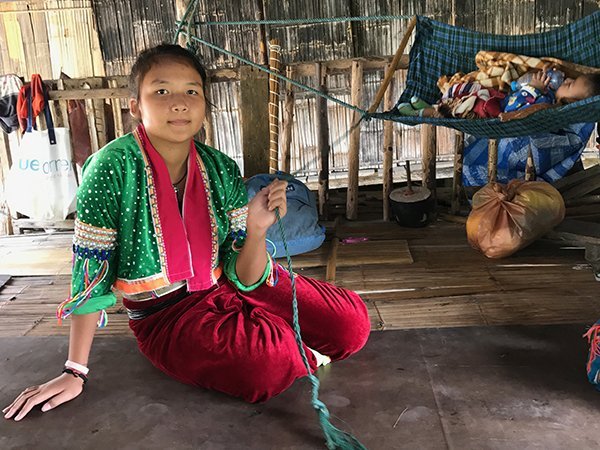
(364, 114)
(317, 20)
(334, 437)
(192, 5)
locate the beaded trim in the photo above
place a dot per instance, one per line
(214, 229)
(237, 219)
(162, 252)
(89, 240)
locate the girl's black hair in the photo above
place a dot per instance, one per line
(156, 55)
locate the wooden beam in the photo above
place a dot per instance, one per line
(274, 65)
(354, 142)
(254, 112)
(428, 152)
(492, 160)
(85, 94)
(459, 148)
(388, 151)
(390, 73)
(288, 122)
(370, 64)
(322, 131)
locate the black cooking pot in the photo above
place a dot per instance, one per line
(412, 206)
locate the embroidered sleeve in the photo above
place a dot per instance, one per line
(237, 214)
(95, 240)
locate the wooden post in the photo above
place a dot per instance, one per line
(274, 64)
(255, 129)
(388, 151)
(354, 142)
(262, 32)
(5, 163)
(530, 167)
(428, 152)
(459, 148)
(288, 122)
(394, 65)
(322, 129)
(117, 113)
(91, 115)
(492, 160)
(209, 128)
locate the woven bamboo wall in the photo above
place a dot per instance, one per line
(102, 37)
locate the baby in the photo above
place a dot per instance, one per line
(472, 100)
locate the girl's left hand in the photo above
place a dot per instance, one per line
(261, 209)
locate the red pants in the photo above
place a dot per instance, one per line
(242, 343)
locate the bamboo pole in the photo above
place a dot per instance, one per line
(429, 151)
(6, 227)
(354, 142)
(117, 113)
(288, 122)
(180, 8)
(91, 115)
(322, 126)
(388, 151)
(274, 64)
(530, 166)
(492, 160)
(392, 69)
(459, 148)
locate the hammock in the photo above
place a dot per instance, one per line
(441, 49)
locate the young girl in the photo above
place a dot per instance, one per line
(166, 222)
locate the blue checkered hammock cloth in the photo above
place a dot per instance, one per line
(441, 49)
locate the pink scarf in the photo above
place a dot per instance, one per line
(188, 242)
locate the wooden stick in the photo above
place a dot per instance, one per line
(390, 73)
(322, 129)
(459, 148)
(354, 146)
(274, 64)
(288, 121)
(530, 166)
(492, 160)
(117, 113)
(6, 227)
(428, 152)
(388, 152)
(91, 115)
(332, 261)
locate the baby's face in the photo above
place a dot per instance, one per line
(573, 89)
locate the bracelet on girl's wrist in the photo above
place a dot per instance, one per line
(75, 374)
(78, 367)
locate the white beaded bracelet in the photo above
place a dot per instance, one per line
(79, 367)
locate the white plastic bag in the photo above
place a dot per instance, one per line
(41, 183)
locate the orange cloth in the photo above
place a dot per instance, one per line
(36, 87)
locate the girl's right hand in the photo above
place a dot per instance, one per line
(57, 391)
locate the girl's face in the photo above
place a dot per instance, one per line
(171, 103)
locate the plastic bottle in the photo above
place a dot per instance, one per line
(556, 79)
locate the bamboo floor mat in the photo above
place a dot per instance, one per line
(409, 278)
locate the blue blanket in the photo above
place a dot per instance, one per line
(554, 154)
